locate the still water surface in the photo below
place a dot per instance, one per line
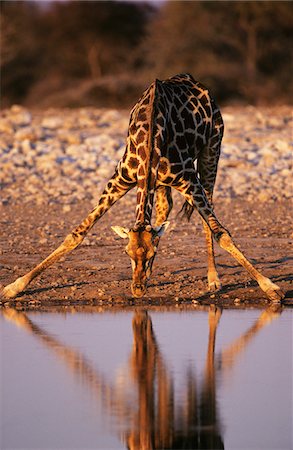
(147, 380)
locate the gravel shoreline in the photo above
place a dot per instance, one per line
(66, 156)
(55, 163)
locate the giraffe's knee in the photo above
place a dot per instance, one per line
(224, 239)
(73, 240)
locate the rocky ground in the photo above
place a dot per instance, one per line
(55, 163)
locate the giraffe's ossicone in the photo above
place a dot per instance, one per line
(174, 141)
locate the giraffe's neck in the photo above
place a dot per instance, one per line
(148, 155)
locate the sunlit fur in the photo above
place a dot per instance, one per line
(173, 126)
(141, 248)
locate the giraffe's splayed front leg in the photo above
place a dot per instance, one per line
(272, 290)
(114, 190)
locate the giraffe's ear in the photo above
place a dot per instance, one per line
(162, 228)
(121, 231)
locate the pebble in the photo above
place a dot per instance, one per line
(66, 208)
(52, 122)
(67, 156)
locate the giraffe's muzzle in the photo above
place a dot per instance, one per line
(138, 289)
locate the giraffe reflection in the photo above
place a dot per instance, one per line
(156, 420)
(162, 424)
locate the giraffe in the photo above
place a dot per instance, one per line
(174, 141)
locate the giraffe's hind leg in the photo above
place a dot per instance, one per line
(207, 165)
(115, 189)
(214, 282)
(195, 195)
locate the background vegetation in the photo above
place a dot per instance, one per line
(74, 53)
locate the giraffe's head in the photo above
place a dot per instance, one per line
(142, 247)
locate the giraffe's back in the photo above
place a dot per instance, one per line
(192, 115)
(181, 125)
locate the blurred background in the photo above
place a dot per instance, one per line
(96, 53)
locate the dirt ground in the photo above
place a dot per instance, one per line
(99, 272)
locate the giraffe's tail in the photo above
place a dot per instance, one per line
(186, 211)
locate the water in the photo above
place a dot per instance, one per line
(142, 380)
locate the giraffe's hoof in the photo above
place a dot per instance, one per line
(275, 294)
(13, 289)
(215, 284)
(9, 292)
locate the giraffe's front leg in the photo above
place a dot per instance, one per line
(115, 189)
(272, 290)
(195, 195)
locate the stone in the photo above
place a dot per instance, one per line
(53, 154)
(52, 122)
(19, 116)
